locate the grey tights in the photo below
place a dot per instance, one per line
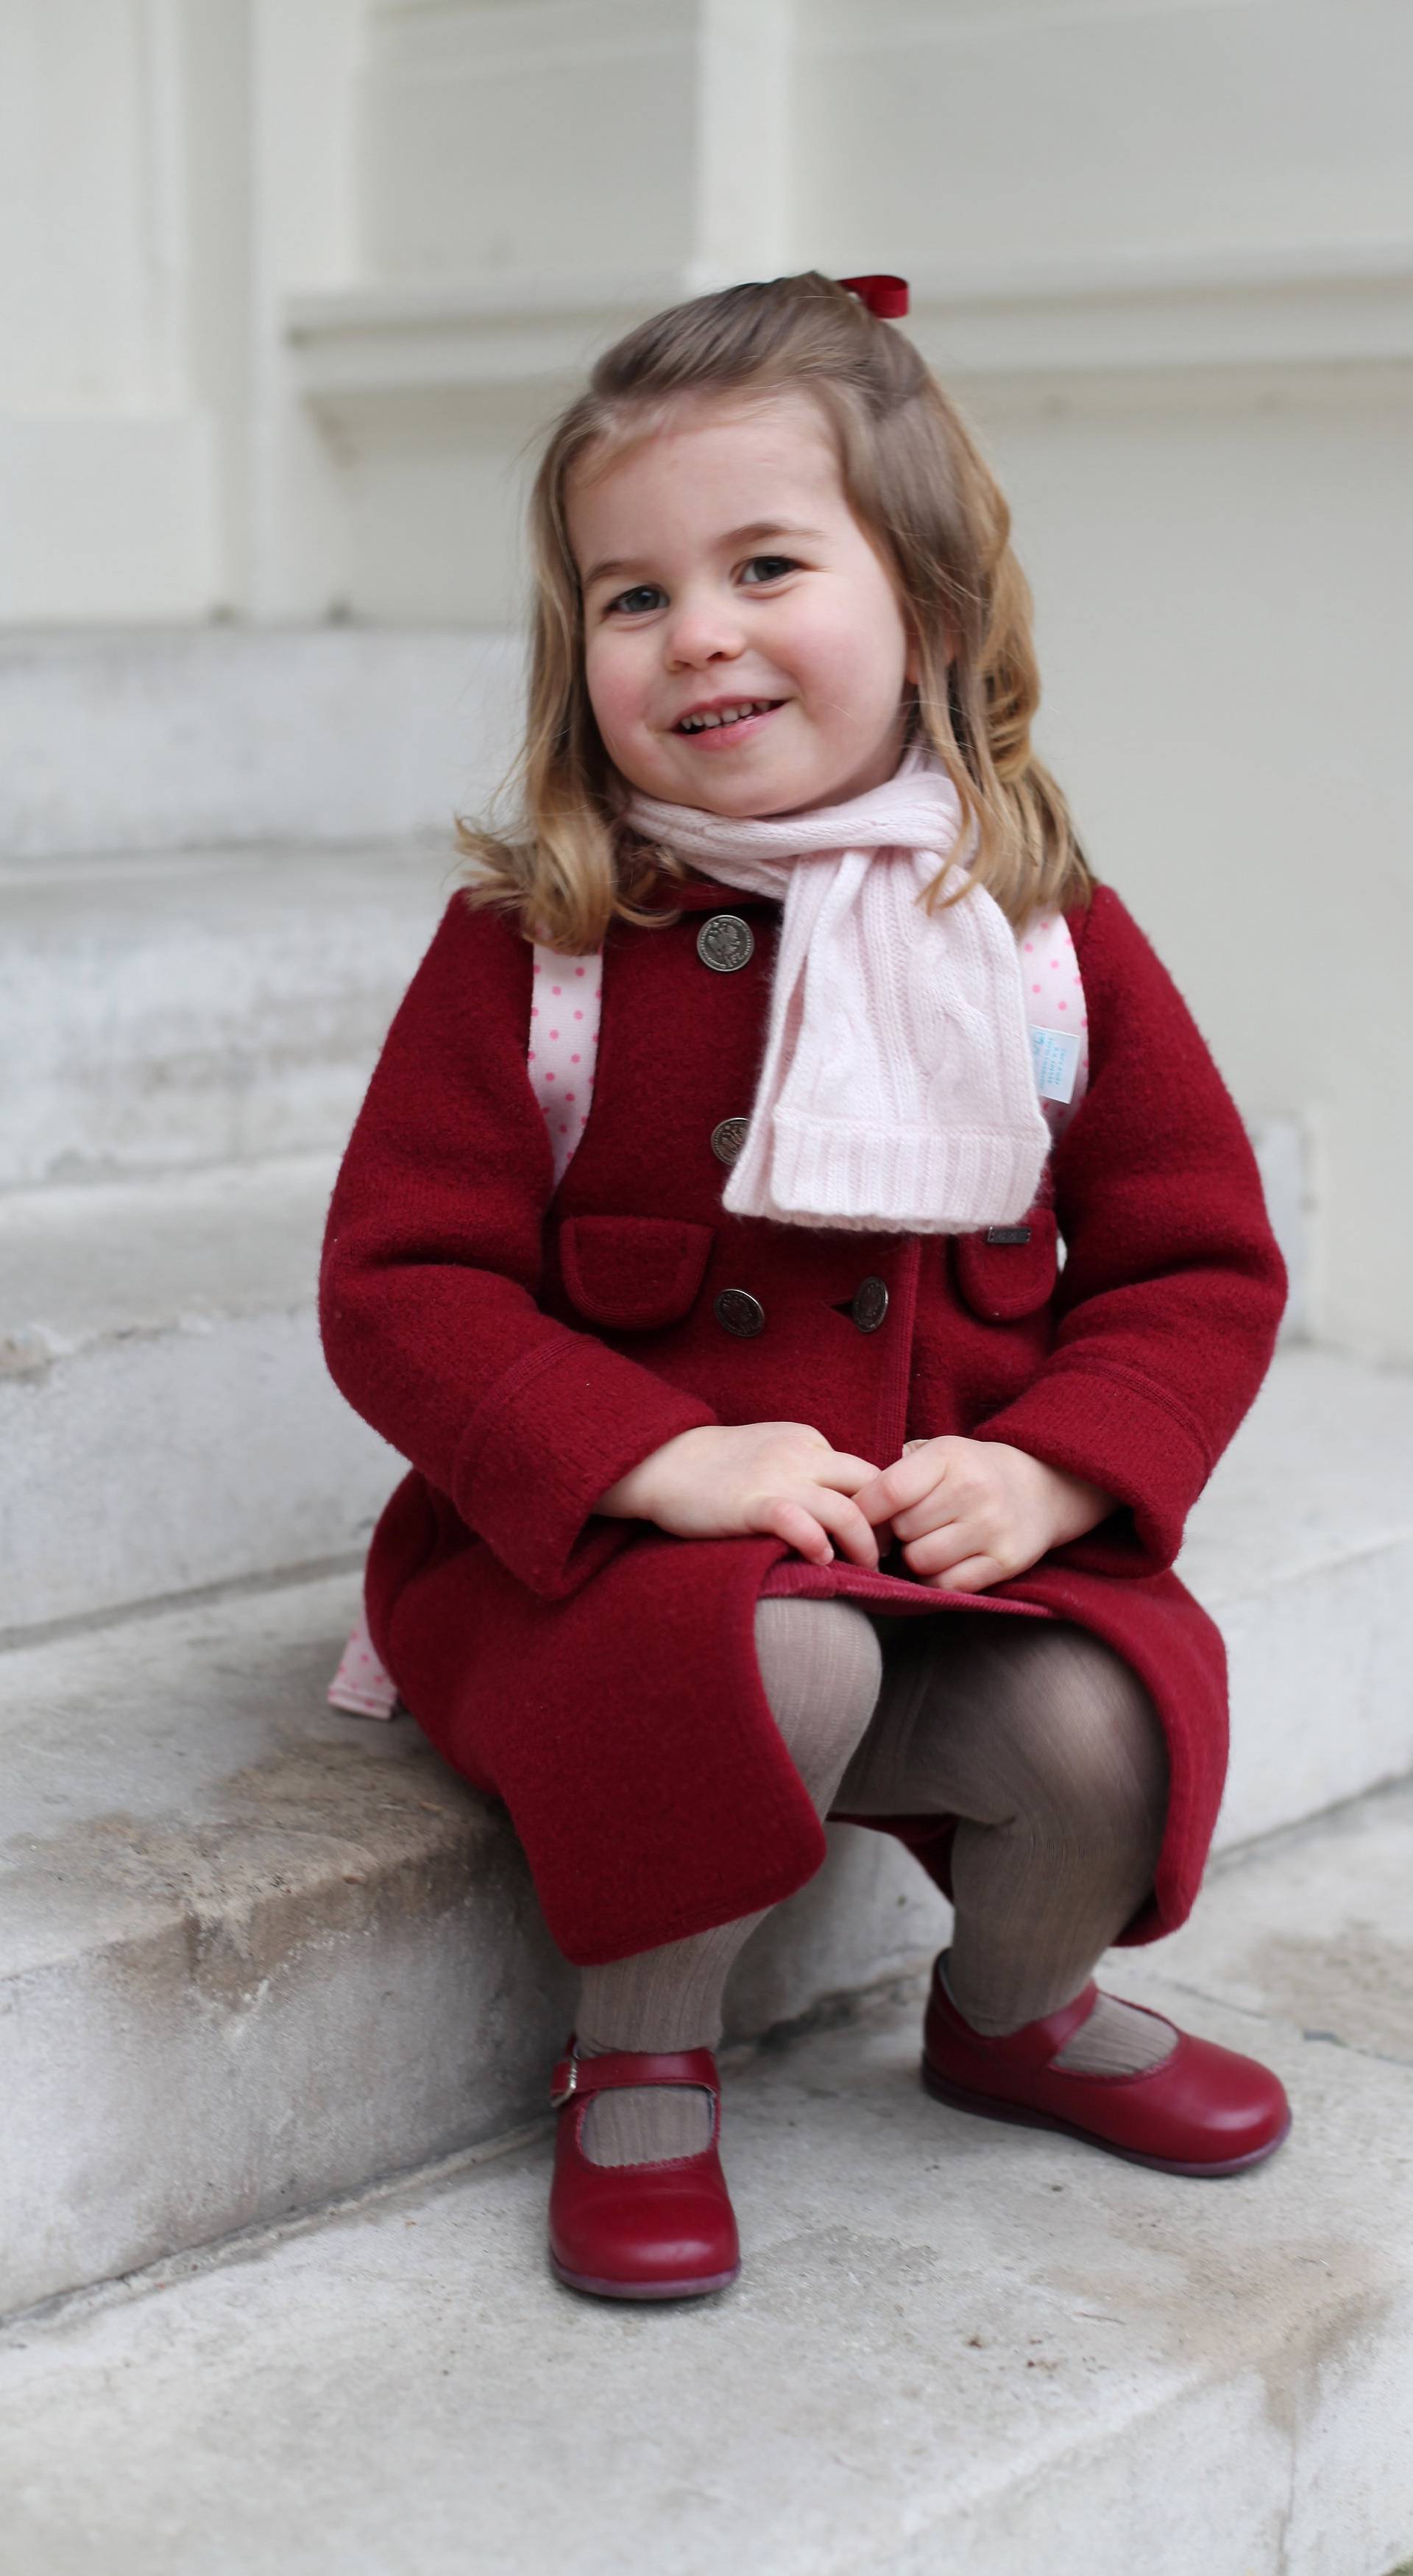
(1034, 1734)
(1048, 1750)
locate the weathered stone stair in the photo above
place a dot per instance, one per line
(253, 1953)
(953, 2346)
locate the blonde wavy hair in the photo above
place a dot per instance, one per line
(918, 486)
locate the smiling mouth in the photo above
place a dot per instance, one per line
(723, 721)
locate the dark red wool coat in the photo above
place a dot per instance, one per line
(524, 1347)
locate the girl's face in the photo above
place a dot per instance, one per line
(722, 568)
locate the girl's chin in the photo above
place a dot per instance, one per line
(740, 798)
(745, 786)
(720, 787)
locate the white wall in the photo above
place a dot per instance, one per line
(1222, 592)
(299, 279)
(106, 468)
(172, 169)
(1025, 132)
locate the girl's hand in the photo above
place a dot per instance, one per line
(779, 1479)
(973, 1512)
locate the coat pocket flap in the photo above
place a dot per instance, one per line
(633, 1273)
(1008, 1271)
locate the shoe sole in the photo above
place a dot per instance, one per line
(697, 2288)
(985, 2106)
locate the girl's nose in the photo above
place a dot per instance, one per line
(702, 630)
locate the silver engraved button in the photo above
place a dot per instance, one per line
(725, 942)
(738, 1312)
(870, 1305)
(727, 1138)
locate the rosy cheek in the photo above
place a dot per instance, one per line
(616, 699)
(604, 679)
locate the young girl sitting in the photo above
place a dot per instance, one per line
(699, 1244)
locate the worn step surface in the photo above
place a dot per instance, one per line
(1302, 1549)
(165, 1412)
(202, 1006)
(253, 1952)
(208, 1879)
(157, 738)
(953, 2345)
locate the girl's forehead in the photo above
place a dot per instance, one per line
(780, 440)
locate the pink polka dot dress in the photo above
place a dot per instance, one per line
(564, 1042)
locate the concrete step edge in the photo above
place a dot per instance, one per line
(217, 1895)
(159, 1338)
(173, 735)
(151, 1254)
(1047, 2339)
(196, 1010)
(213, 1885)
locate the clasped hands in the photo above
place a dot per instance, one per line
(966, 1513)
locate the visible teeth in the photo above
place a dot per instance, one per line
(727, 715)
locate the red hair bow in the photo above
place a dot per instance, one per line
(885, 296)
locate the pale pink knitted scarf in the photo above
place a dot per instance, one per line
(897, 1091)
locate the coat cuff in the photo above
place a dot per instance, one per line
(1114, 1429)
(556, 1430)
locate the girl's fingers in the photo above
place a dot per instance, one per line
(899, 1489)
(844, 1471)
(939, 1551)
(974, 1574)
(810, 1526)
(798, 1527)
(933, 1512)
(850, 1526)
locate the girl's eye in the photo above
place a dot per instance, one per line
(638, 601)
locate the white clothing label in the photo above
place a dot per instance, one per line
(1056, 1055)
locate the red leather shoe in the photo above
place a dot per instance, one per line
(1204, 2110)
(656, 2231)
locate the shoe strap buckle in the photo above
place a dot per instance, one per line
(564, 2083)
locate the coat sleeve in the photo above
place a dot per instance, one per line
(432, 1263)
(1173, 1286)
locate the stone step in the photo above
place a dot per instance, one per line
(165, 1414)
(253, 1953)
(214, 1888)
(163, 738)
(953, 2345)
(1302, 1549)
(200, 1007)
